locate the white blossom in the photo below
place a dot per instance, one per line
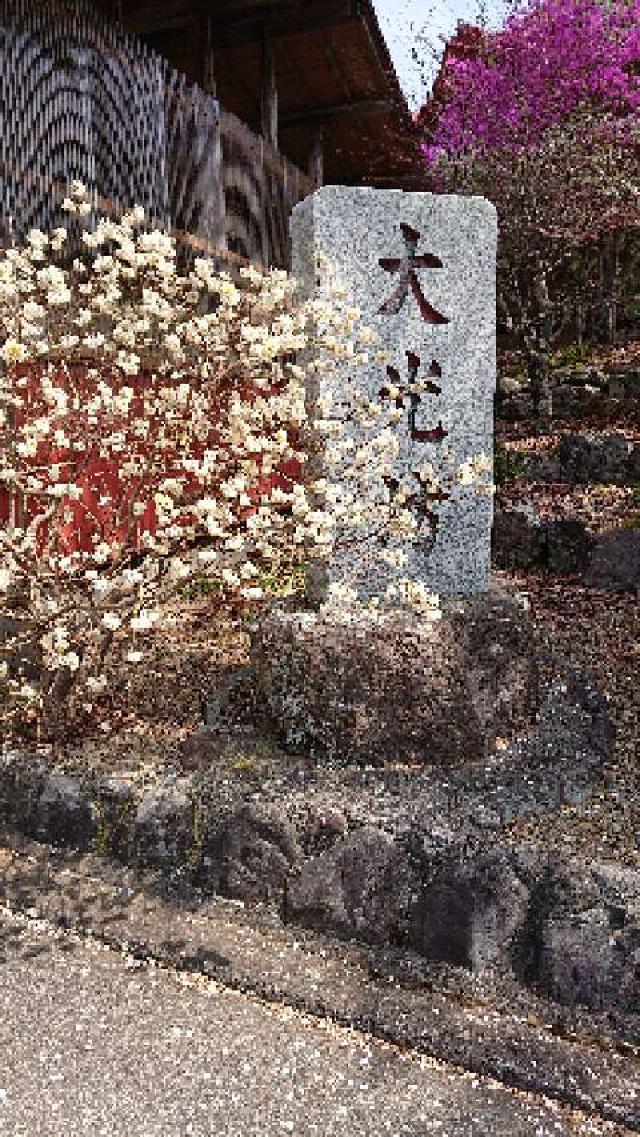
(111, 620)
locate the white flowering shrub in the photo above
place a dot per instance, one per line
(188, 382)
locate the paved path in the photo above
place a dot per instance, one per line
(94, 1042)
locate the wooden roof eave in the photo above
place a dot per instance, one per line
(377, 108)
(375, 116)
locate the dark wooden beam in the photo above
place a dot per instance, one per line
(315, 167)
(337, 110)
(157, 15)
(338, 70)
(384, 60)
(208, 63)
(269, 93)
(247, 28)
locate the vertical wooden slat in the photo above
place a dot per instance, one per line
(316, 158)
(209, 224)
(269, 93)
(265, 244)
(208, 61)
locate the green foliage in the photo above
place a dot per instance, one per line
(508, 465)
(269, 581)
(245, 762)
(199, 586)
(632, 521)
(569, 356)
(294, 582)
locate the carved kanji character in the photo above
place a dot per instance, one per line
(406, 267)
(420, 501)
(438, 432)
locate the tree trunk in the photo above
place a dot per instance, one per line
(580, 322)
(608, 258)
(539, 375)
(55, 705)
(538, 347)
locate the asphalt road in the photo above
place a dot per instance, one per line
(94, 1042)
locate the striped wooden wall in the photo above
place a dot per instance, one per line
(260, 189)
(81, 98)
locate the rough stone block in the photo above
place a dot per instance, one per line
(591, 458)
(403, 689)
(64, 815)
(116, 807)
(585, 959)
(574, 704)
(163, 827)
(257, 851)
(568, 546)
(616, 560)
(518, 538)
(590, 935)
(359, 887)
(22, 779)
(470, 914)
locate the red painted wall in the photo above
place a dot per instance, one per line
(99, 475)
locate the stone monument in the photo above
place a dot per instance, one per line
(421, 270)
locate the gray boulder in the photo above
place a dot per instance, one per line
(574, 704)
(404, 690)
(591, 458)
(571, 401)
(615, 562)
(22, 779)
(64, 815)
(163, 828)
(513, 407)
(568, 546)
(590, 936)
(543, 467)
(573, 765)
(623, 385)
(323, 829)
(517, 538)
(359, 887)
(471, 912)
(586, 959)
(521, 541)
(116, 807)
(256, 852)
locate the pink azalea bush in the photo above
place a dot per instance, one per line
(555, 58)
(543, 120)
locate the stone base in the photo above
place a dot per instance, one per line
(405, 690)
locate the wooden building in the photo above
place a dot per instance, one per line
(313, 77)
(216, 115)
